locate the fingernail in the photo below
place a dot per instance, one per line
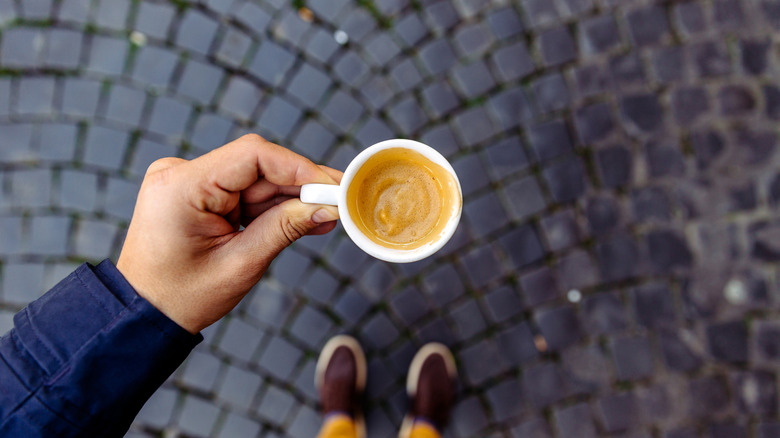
(324, 215)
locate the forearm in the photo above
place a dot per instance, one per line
(83, 359)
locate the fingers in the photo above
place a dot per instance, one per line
(325, 228)
(251, 211)
(333, 173)
(263, 190)
(223, 172)
(238, 164)
(164, 163)
(280, 226)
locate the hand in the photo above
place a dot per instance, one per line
(184, 251)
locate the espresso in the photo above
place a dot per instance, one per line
(401, 199)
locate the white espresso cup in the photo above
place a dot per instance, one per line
(332, 194)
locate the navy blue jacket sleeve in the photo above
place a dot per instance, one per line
(84, 358)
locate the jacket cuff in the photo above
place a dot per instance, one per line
(101, 350)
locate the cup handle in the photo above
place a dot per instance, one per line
(327, 194)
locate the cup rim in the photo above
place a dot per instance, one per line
(391, 254)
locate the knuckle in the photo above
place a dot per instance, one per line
(162, 163)
(293, 230)
(252, 138)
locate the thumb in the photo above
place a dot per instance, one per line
(271, 232)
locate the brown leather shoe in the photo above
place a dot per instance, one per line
(340, 377)
(430, 386)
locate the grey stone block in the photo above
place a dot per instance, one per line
(710, 59)
(94, 239)
(437, 56)
(594, 122)
(276, 405)
(22, 47)
(513, 62)
(240, 98)
(728, 341)
(615, 165)
(379, 332)
(125, 105)
(35, 96)
(357, 23)
(107, 55)
(648, 25)
(159, 409)
(473, 40)
(105, 147)
(63, 49)
(309, 85)
(233, 48)
(311, 327)
(603, 313)
(322, 46)
(22, 282)
(198, 416)
(504, 22)
(239, 387)
(313, 140)
(352, 70)
(575, 420)
(485, 214)
(408, 116)
(409, 305)
(290, 27)
(633, 357)
(120, 196)
(210, 131)
(506, 157)
(74, 11)
(372, 132)
(238, 425)
(560, 327)
(566, 179)
(80, 96)
(440, 98)
(11, 236)
(154, 66)
(619, 412)
(441, 16)
(560, 230)
(342, 110)
(599, 34)
(112, 15)
(169, 118)
(321, 286)
(240, 340)
(468, 418)
(279, 358)
(271, 63)
(443, 285)
(556, 46)
(410, 29)
(278, 118)
(199, 81)
(154, 19)
(196, 31)
(31, 188)
(708, 395)
(36, 9)
(49, 235)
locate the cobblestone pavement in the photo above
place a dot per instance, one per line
(614, 272)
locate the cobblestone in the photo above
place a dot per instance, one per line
(612, 274)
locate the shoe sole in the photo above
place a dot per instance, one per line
(413, 377)
(360, 379)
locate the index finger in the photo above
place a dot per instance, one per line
(240, 163)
